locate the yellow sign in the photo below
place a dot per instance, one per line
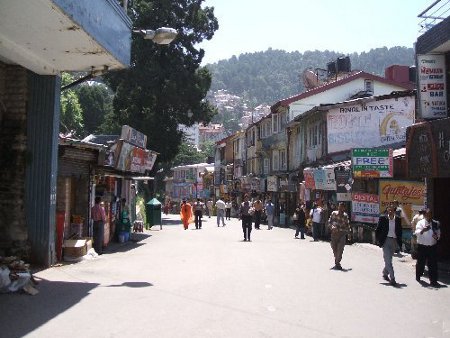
(410, 195)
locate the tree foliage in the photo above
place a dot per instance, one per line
(71, 118)
(164, 83)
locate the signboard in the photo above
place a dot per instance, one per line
(365, 208)
(410, 194)
(372, 124)
(343, 185)
(324, 179)
(367, 162)
(133, 136)
(432, 83)
(309, 179)
(131, 158)
(272, 183)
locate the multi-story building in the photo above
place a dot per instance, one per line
(189, 182)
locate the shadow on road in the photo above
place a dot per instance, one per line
(22, 314)
(397, 286)
(131, 285)
(167, 221)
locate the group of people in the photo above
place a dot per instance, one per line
(193, 213)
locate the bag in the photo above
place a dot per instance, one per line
(251, 211)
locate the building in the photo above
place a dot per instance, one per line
(39, 40)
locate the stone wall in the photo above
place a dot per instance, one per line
(13, 126)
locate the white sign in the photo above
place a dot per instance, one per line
(432, 94)
(375, 124)
(272, 183)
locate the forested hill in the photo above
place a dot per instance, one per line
(266, 77)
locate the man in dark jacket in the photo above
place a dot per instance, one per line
(389, 237)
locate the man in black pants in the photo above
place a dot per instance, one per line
(428, 233)
(198, 213)
(246, 218)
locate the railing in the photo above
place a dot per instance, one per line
(439, 10)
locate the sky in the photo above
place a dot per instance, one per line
(344, 26)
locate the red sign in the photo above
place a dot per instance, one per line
(309, 179)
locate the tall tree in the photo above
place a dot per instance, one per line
(165, 85)
(71, 113)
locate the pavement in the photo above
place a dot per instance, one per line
(209, 283)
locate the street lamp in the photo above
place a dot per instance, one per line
(160, 36)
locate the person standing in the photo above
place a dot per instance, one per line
(186, 213)
(389, 237)
(209, 207)
(270, 208)
(228, 206)
(258, 206)
(299, 218)
(428, 233)
(198, 213)
(220, 207)
(416, 219)
(99, 217)
(316, 214)
(246, 217)
(339, 227)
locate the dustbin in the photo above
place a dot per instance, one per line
(153, 212)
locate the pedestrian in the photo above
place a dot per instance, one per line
(299, 219)
(209, 207)
(198, 213)
(316, 214)
(339, 227)
(258, 206)
(416, 219)
(246, 217)
(186, 213)
(220, 207)
(269, 210)
(389, 237)
(99, 218)
(228, 206)
(428, 234)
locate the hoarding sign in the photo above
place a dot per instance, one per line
(272, 183)
(324, 179)
(367, 162)
(131, 158)
(309, 179)
(432, 83)
(372, 124)
(365, 208)
(343, 185)
(133, 136)
(410, 194)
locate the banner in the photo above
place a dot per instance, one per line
(272, 183)
(368, 162)
(432, 83)
(365, 208)
(309, 179)
(343, 185)
(133, 136)
(324, 179)
(410, 194)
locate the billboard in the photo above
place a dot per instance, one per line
(367, 162)
(432, 83)
(369, 125)
(365, 208)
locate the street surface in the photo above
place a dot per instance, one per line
(209, 283)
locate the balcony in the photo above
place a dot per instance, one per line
(50, 36)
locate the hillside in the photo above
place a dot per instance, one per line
(266, 77)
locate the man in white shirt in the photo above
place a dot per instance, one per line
(428, 233)
(316, 214)
(220, 207)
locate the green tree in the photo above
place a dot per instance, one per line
(96, 102)
(208, 148)
(164, 83)
(71, 119)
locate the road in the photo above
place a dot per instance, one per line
(209, 283)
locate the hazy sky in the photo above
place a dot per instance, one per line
(344, 26)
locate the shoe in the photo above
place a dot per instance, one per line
(393, 282)
(338, 267)
(435, 285)
(296, 237)
(386, 278)
(249, 240)
(245, 239)
(418, 279)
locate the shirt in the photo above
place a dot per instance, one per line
(220, 205)
(429, 237)
(98, 213)
(245, 206)
(340, 221)
(391, 232)
(258, 205)
(228, 205)
(316, 215)
(198, 206)
(269, 208)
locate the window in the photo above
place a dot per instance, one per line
(276, 123)
(266, 165)
(283, 160)
(275, 160)
(368, 86)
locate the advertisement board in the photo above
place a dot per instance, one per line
(365, 208)
(432, 83)
(272, 183)
(368, 162)
(324, 179)
(133, 136)
(343, 185)
(372, 124)
(410, 194)
(131, 158)
(308, 174)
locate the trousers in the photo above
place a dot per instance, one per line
(389, 247)
(427, 254)
(337, 242)
(98, 236)
(247, 226)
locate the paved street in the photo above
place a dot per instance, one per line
(208, 283)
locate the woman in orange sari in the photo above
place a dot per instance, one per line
(186, 213)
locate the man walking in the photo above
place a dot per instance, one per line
(316, 214)
(428, 233)
(299, 219)
(258, 206)
(389, 237)
(228, 210)
(209, 207)
(198, 213)
(220, 207)
(99, 218)
(339, 227)
(269, 212)
(246, 217)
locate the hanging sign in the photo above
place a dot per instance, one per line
(368, 162)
